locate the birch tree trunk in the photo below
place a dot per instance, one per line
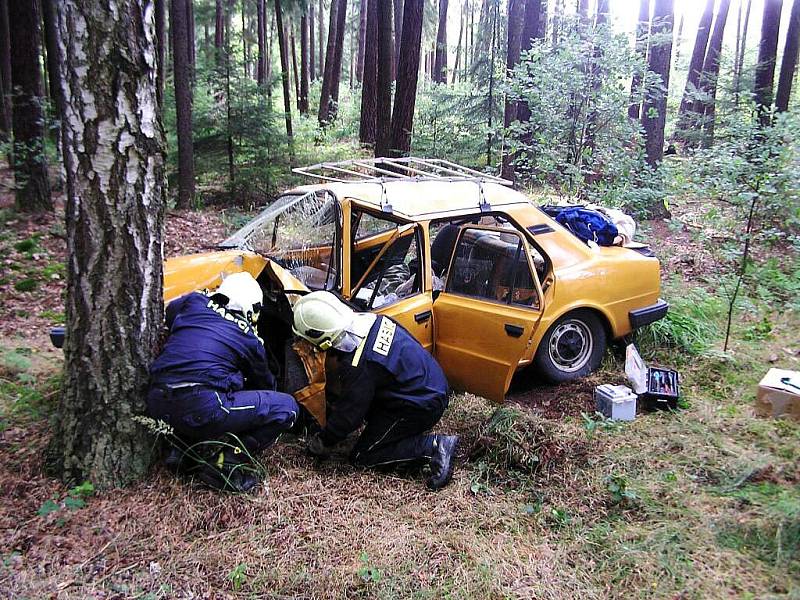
(114, 157)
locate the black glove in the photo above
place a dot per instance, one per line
(316, 447)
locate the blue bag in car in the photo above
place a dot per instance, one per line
(588, 225)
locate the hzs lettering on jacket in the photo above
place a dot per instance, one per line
(220, 310)
(383, 341)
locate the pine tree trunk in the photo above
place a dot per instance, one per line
(789, 60)
(181, 61)
(384, 78)
(654, 109)
(362, 33)
(245, 45)
(398, 36)
(369, 89)
(321, 43)
(303, 102)
(54, 60)
(708, 79)
(687, 118)
(191, 39)
(767, 50)
(336, 71)
(114, 157)
(440, 60)
(261, 16)
(5, 75)
(287, 102)
(407, 77)
(219, 28)
(32, 188)
(516, 18)
(312, 73)
(596, 76)
(327, 78)
(535, 15)
(457, 63)
(294, 63)
(642, 35)
(739, 60)
(161, 32)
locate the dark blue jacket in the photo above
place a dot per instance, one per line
(387, 372)
(212, 346)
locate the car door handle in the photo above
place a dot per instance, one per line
(423, 316)
(514, 330)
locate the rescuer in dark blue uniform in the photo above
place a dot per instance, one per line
(212, 377)
(386, 379)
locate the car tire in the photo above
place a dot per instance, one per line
(572, 348)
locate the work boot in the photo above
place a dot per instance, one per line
(444, 451)
(229, 471)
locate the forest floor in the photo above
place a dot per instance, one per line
(703, 502)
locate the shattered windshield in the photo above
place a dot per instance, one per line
(297, 231)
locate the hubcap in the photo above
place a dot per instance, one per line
(571, 345)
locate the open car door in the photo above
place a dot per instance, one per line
(386, 273)
(487, 314)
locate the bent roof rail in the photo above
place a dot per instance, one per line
(379, 170)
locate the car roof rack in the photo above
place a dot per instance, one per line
(384, 170)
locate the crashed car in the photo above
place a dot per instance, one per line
(482, 277)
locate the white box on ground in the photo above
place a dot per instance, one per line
(615, 402)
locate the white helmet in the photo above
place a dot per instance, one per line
(321, 318)
(244, 294)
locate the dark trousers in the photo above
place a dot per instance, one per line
(396, 434)
(198, 413)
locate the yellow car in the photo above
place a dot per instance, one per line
(480, 275)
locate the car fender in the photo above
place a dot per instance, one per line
(549, 318)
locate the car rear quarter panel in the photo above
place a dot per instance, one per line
(613, 281)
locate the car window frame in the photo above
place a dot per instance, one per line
(531, 266)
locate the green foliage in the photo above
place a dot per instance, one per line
(26, 285)
(368, 572)
(238, 576)
(579, 139)
(598, 422)
(75, 499)
(617, 488)
(691, 324)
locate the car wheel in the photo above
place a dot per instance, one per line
(572, 348)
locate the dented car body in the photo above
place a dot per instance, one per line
(482, 277)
